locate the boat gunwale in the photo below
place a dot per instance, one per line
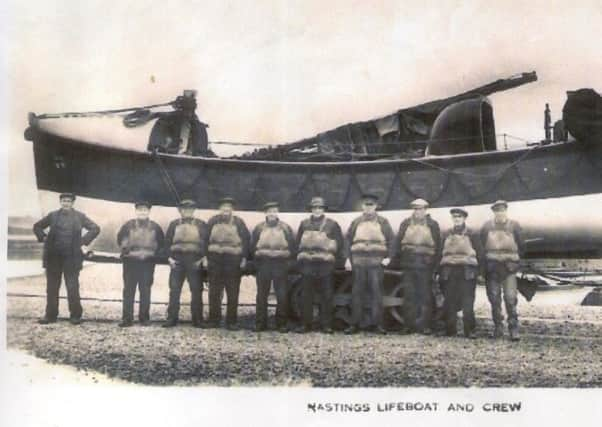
(425, 161)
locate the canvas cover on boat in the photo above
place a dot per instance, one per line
(405, 131)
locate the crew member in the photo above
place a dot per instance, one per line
(141, 240)
(64, 249)
(462, 261)
(186, 240)
(370, 244)
(417, 246)
(273, 248)
(503, 242)
(180, 131)
(320, 248)
(227, 258)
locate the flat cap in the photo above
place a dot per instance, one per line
(67, 196)
(226, 200)
(369, 197)
(143, 203)
(419, 203)
(269, 205)
(317, 202)
(499, 204)
(458, 211)
(188, 203)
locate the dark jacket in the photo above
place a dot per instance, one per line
(503, 269)
(243, 232)
(514, 228)
(333, 232)
(171, 229)
(78, 221)
(385, 228)
(124, 232)
(409, 260)
(476, 245)
(288, 235)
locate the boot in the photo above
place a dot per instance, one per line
(232, 327)
(514, 336)
(498, 332)
(125, 324)
(46, 321)
(197, 324)
(406, 331)
(169, 323)
(350, 330)
(380, 330)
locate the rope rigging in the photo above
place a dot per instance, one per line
(166, 177)
(138, 116)
(102, 112)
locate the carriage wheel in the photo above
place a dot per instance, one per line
(392, 299)
(296, 296)
(342, 300)
(393, 302)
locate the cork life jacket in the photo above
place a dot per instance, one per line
(458, 250)
(500, 244)
(316, 246)
(224, 239)
(186, 238)
(272, 243)
(369, 239)
(141, 241)
(418, 239)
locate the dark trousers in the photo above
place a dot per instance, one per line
(275, 271)
(224, 273)
(56, 267)
(323, 286)
(185, 269)
(495, 285)
(137, 274)
(367, 286)
(417, 298)
(459, 291)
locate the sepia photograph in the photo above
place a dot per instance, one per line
(385, 211)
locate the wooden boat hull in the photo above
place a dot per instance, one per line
(101, 172)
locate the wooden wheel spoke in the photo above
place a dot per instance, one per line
(393, 301)
(389, 301)
(342, 300)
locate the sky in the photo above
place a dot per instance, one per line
(274, 71)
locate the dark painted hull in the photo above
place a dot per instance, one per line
(107, 173)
